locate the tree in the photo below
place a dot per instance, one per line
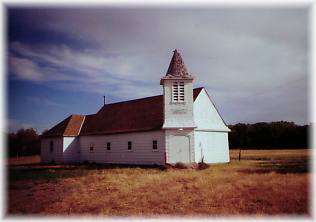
(24, 142)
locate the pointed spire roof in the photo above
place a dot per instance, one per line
(177, 69)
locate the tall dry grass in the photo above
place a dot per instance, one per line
(237, 188)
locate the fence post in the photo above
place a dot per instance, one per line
(165, 157)
(239, 156)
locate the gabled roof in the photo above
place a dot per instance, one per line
(129, 116)
(68, 127)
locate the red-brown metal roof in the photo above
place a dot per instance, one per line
(129, 116)
(68, 127)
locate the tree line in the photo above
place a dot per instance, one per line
(271, 135)
(281, 134)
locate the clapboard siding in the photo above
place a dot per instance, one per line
(142, 149)
(56, 155)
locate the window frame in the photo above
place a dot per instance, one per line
(91, 146)
(155, 145)
(129, 146)
(108, 146)
(51, 146)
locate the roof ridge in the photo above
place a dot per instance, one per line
(76, 115)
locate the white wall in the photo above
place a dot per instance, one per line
(213, 146)
(211, 134)
(71, 150)
(56, 155)
(142, 152)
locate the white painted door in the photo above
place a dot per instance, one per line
(179, 150)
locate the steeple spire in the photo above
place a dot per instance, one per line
(177, 69)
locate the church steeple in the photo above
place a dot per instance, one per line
(178, 95)
(176, 69)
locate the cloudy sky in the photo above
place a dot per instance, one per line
(252, 61)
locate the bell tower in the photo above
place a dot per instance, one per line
(178, 95)
(178, 112)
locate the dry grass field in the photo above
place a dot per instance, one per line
(263, 183)
(26, 160)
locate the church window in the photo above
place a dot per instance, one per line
(91, 147)
(108, 146)
(155, 145)
(51, 146)
(129, 145)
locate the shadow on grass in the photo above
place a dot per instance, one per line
(282, 167)
(44, 174)
(52, 172)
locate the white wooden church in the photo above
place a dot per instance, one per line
(182, 125)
